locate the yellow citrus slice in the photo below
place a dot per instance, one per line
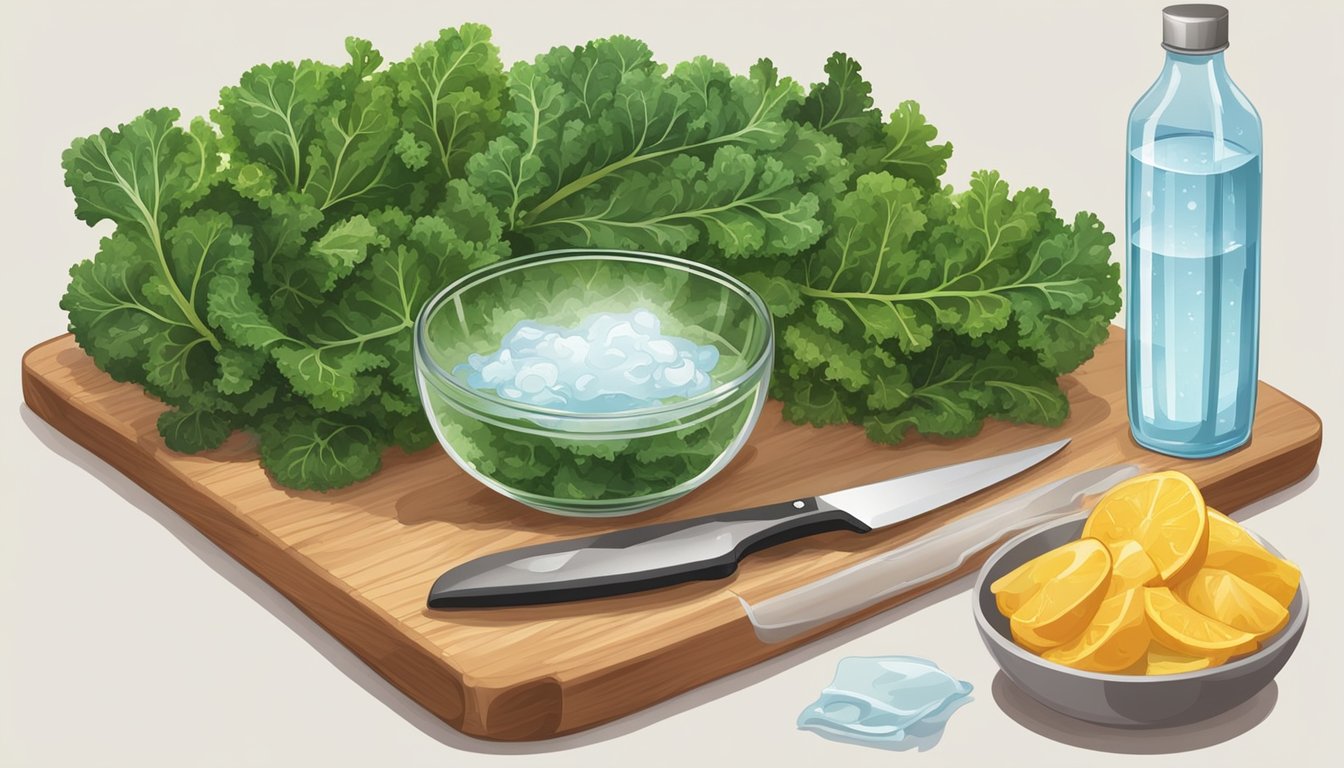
(1181, 628)
(1232, 600)
(1116, 639)
(1131, 567)
(1017, 586)
(1012, 589)
(1163, 511)
(1066, 602)
(1165, 661)
(1139, 667)
(1234, 550)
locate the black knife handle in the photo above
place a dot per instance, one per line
(633, 559)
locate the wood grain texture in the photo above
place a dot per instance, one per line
(360, 561)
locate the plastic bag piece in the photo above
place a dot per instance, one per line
(899, 702)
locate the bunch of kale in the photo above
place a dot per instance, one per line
(267, 265)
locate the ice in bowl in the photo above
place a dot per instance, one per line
(611, 362)
(594, 382)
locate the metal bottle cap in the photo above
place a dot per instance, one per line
(1194, 28)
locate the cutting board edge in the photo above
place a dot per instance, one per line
(426, 677)
(509, 711)
(1232, 492)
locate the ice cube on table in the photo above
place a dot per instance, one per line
(886, 700)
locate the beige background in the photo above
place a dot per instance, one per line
(128, 639)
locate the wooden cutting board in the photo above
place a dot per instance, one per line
(360, 561)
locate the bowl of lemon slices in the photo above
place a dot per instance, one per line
(1155, 610)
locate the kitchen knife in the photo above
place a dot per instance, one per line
(928, 558)
(648, 557)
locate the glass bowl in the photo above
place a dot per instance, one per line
(571, 462)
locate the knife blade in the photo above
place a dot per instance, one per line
(704, 548)
(930, 557)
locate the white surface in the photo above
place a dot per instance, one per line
(127, 639)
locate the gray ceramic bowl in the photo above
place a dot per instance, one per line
(1123, 700)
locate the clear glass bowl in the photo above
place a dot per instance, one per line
(574, 463)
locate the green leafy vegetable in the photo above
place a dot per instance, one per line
(603, 147)
(264, 272)
(929, 310)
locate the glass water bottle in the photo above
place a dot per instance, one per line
(1193, 271)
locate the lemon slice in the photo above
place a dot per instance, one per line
(1019, 585)
(1116, 639)
(1164, 512)
(1234, 550)
(1131, 567)
(1181, 628)
(1071, 590)
(1233, 601)
(1013, 589)
(1164, 661)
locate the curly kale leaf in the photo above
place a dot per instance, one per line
(266, 277)
(317, 136)
(936, 311)
(604, 147)
(141, 177)
(450, 95)
(347, 355)
(139, 306)
(842, 107)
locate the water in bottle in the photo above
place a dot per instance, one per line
(1193, 273)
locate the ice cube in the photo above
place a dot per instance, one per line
(522, 333)
(564, 347)
(584, 386)
(661, 350)
(535, 377)
(884, 699)
(500, 370)
(706, 357)
(623, 334)
(679, 375)
(645, 322)
(639, 375)
(604, 358)
(609, 362)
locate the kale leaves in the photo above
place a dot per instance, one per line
(267, 266)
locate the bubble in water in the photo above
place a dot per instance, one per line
(1192, 205)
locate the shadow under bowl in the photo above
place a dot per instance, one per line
(1123, 700)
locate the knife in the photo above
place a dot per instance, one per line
(928, 558)
(704, 548)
